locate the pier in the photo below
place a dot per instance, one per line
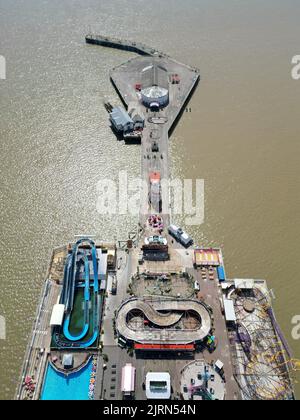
(119, 44)
(159, 123)
(220, 321)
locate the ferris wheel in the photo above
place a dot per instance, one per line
(267, 382)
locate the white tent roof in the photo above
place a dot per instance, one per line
(219, 365)
(229, 310)
(57, 316)
(245, 284)
(128, 379)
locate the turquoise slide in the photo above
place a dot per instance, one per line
(86, 327)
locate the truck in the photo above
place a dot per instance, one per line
(180, 236)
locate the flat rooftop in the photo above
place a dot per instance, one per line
(158, 386)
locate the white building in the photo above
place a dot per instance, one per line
(57, 316)
(158, 386)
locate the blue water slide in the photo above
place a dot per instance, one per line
(86, 327)
(87, 280)
(95, 268)
(65, 291)
(90, 342)
(69, 280)
(73, 278)
(68, 295)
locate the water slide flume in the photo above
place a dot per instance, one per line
(67, 333)
(69, 291)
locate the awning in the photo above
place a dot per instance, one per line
(221, 273)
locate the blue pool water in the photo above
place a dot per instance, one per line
(73, 387)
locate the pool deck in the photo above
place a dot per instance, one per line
(73, 387)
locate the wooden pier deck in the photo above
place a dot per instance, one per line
(38, 349)
(116, 43)
(159, 125)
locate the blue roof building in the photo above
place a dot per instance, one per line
(121, 121)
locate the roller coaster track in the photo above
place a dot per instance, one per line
(164, 314)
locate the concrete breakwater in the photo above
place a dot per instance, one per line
(135, 47)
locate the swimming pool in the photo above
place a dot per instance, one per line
(73, 387)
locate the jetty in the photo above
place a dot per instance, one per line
(109, 42)
(166, 305)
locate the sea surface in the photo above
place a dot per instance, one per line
(242, 137)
